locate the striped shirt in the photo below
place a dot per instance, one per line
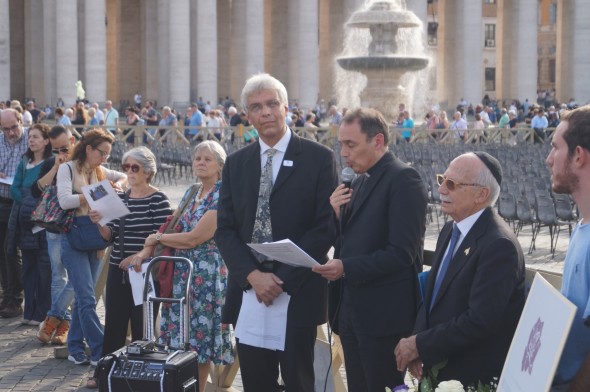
(146, 217)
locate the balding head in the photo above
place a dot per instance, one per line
(12, 125)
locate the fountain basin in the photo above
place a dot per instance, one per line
(404, 63)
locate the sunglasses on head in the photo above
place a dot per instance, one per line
(451, 184)
(62, 150)
(134, 168)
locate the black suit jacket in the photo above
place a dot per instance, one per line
(300, 210)
(381, 249)
(478, 305)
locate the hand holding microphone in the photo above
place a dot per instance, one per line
(342, 194)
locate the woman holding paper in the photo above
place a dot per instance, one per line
(148, 208)
(208, 337)
(83, 267)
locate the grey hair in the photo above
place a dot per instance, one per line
(214, 148)
(485, 178)
(146, 159)
(261, 82)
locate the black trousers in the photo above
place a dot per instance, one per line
(10, 266)
(369, 360)
(119, 310)
(260, 367)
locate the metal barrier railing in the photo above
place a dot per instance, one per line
(232, 138)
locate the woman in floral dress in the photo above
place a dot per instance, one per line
(207, 335)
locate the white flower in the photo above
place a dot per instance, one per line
(450, 386)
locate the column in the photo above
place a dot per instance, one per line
(34, 84)
(278, 42)
(207, 50)
(238, 52)
(292, 51)
(470, 28)
(49, 49)
(254, 19)
(66, 37)
(164, 53)
(223, 48)
(179, 60)
(95, 43)
(526, 56)
(579, 52)
(4, 50)
(149, 89)
(309, 56)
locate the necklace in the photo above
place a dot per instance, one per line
(200, 193)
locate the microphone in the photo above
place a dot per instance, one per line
(347, 176)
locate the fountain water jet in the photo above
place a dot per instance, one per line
(386, 63)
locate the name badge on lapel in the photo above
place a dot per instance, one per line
(287, 163)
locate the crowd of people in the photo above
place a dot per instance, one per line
(391, 316)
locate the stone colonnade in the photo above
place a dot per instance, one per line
(178, 50)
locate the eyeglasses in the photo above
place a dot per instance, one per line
(103, 154)
(61, 150)
(273, 104)
(134, 168)
(451, 184)
(12, 128)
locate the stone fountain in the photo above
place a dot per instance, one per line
(385, 64)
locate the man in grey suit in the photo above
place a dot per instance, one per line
(374, 293)
(475, 289)
(293, 203)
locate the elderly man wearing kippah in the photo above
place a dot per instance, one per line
(475, 289)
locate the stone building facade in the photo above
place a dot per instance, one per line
(175, 51)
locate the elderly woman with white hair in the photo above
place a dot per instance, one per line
(208, 336)
(148, 208)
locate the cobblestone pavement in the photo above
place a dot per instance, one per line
(27, 365)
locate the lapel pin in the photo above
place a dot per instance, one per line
(467, 251)
(287, 163)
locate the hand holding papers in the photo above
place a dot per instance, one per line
(6, 180)
(103, 198)
(286, 252)
(137, 280)
(260, 325)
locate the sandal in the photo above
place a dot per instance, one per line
(92, 383)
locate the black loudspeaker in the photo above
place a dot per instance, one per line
(149, 371)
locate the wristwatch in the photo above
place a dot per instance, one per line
(158, 237)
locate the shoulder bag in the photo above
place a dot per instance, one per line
(49, 214)
(166, 270)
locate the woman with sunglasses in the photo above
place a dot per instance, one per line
(35, 259)
(83, 267)
(56, 325)
(148, 208)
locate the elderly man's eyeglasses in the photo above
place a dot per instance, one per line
(451, 184)
(12, 128)
(61, 150)
(255, 108)
(134, 168)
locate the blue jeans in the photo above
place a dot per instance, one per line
(83, 270)
(62, 292)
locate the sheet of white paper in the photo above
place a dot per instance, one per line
(37, 229)
(286, 252)
(102, 197)
(260, 325)
(7, 180)
(137, 280)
